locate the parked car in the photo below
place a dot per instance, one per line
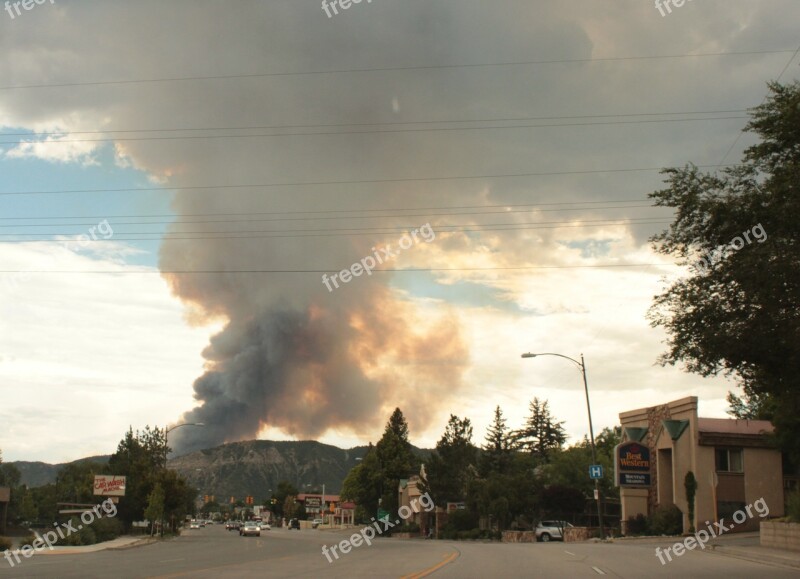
(250, 528)
(551, 530)
(316, 523)
(294, 524)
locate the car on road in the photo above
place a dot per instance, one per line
(294, 524)
(316, 523)
(551, 530)
(250, 528)
(194, 525)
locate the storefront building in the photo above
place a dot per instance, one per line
(734, 463)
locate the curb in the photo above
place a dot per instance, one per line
(139, 543)
(747, 555)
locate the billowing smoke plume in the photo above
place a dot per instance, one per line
(307, 370)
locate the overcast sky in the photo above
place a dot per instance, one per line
(219, 157)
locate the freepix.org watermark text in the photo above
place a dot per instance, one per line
(106, 508)
(703, 536)
(381, 255)
(369, 532)
(13, 7)
(704, 264)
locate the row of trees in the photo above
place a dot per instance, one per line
(152, 492)
(514, 478)
(517, 476)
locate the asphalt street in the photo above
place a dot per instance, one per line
(215, 552)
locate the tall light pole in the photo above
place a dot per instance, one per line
(582, 366)
(166, 450)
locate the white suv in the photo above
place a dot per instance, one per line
(551, 530)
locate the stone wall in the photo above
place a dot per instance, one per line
(780, 535)
(519, 537)
(573, 534)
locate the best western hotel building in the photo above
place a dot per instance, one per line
(733, 461)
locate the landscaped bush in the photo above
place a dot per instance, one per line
(27, 540)
(462, 520)
(5, 543)
(637, 525)
(85, 536)
(408, 528)
(107, 529)
(666, 520)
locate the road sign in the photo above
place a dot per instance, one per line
(596, 471)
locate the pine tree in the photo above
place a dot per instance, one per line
(541, 434)
(498, 446)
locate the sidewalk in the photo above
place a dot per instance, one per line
(758, 554)
(125, 542)
(737, 545)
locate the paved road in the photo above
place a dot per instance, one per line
(215, 552)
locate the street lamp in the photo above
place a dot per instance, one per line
(168, 430)
(582, 366)
(166, 450)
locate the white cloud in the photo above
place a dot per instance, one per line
(87, 355)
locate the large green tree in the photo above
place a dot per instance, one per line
(498, 446)
(362, 485)
(541, 434)
(453, 462)
(396, 458)
(738, 311)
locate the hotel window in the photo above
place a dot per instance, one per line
(729, 460)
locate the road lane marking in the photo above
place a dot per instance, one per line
(568, 553)
(599, 571)
(425, 572)
(172, 560)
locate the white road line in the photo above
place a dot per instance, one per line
(599, 571)
(568, 553)
(172, 560)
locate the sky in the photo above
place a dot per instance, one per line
(177, 177)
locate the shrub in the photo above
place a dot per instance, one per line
(85, 536)
(28, 540)
(408, 528)
(637, 525)
(470, 535)
(462, 520)
(793, 506)
(667, 520)
(5, 543)
(107, 529)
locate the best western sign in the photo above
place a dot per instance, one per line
(632, 465)
(107, 485)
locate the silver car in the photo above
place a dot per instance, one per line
(551, 530)
(250, 528)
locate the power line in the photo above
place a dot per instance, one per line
(388, 123)
(282, 219)
(367, 132)
(396, 68)
(295, 234)
(387, 270)
(327, 211)
(352, 182)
